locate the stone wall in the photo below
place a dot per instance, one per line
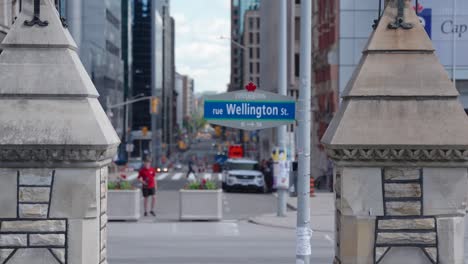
(391, 214)
(33, 231)
(103, 216)
(56, 215)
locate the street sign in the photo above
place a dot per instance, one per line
(250, 110)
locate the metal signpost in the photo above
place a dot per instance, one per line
(250, 110)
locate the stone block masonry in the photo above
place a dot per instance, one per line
(404, 223)
(103, 216)
(33, 229)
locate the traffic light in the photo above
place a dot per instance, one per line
(154, 105)
(144, 131)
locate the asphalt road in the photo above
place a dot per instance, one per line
(164, 240)
(226, 242)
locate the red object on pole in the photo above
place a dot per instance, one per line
(251, 87)
(312, 187)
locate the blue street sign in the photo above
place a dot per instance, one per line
(250, 110)
(220, 158)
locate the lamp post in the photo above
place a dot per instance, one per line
(244, 48)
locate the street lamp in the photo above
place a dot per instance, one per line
(234, 42)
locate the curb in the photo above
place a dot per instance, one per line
(256, 222)
(289, 205)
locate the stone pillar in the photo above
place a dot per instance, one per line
(55, 145)
(400, 150)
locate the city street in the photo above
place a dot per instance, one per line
(234, 240)
(164, 239)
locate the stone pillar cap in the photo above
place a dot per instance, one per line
(49, 105)
(400, 103)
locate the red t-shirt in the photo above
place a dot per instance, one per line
(147, 175)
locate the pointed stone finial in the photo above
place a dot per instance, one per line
(55, 145)
(400, 19)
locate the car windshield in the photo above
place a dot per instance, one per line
(241, 166)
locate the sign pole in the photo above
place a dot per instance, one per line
(303, 231)
(282, 90)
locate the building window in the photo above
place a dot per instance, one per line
(258, 22)
(250, 53)
(112, 19)
(251, 68)
(258, 67)
(297, 63)
(258, 81)
(298, 2)
(251, 23)
(236, 21)
(297, 28)
(258, 53)
(112, 48)
(250, 37)
(258, 37)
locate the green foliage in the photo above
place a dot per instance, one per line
(211, 185)
(119, 185)
(202, 185)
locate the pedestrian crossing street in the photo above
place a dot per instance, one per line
(177, 176)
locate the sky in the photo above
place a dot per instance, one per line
(199, 51)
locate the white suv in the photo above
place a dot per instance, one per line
(242, 174)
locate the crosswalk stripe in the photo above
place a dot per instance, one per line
(162, 176)
(177, 176)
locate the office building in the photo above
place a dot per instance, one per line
(127, 59)
(251, 40)
(144, 80)
(179, 89)
(188, 102)
(167, 112)
(324, 71)
(239, 8)
(96, 29)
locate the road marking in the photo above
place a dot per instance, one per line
(162, 176)
(207, 176)
(177, 176)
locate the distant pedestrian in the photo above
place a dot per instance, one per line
(147, 176)
(190, 169)
(264, 169)
(268, 174)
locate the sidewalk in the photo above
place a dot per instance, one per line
(322, 210)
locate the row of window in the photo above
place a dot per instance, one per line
(252, 23)
(112, 19)
(251, 51)
(112, 48)
(252, 66)
(251, 38)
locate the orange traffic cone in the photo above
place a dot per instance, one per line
(312, 187)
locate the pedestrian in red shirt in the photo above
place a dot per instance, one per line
(147, 176)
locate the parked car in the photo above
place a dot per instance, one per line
(242, 174)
